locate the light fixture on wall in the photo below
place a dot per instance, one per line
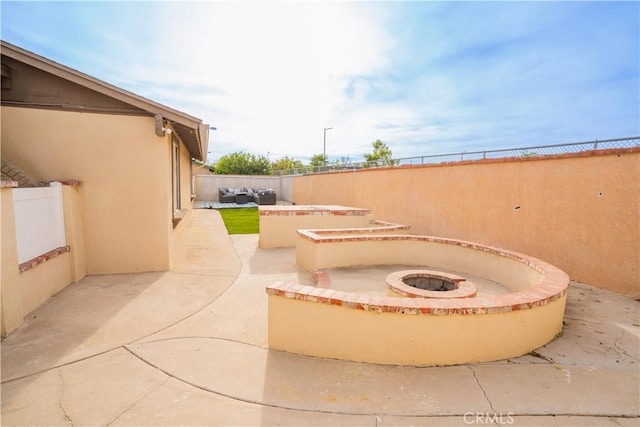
(161, 130)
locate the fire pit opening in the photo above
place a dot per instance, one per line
(429, 283)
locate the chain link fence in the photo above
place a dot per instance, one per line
(533, 151)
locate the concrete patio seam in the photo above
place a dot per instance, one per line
(199, 337)
(71, 362)
(385, 414)
(249, 401)
(138, 400)
(190, 315)
(62, 365)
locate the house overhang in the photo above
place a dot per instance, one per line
(190, 130)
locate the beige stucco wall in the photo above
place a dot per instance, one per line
(286, 185)
(74, 231)
(41, 282)
(277, 231)
(207, 185)
(332, 331)
(24, 292)
(11, 311)
(126, 174)
(514, 274)
(177, 232)
(578, 213)
(200, 170)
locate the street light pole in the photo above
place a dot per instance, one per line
(324, 146)
(209, 152)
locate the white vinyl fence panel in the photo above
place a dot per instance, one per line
(39, 217)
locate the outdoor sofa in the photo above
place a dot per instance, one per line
(241, 195)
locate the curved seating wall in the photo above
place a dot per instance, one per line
(416, 331)
(317, 249)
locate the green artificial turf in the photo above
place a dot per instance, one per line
(241, 220)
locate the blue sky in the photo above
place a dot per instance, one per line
(424, 77)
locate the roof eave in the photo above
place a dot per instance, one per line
(115, 92)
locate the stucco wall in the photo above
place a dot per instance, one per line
(74, 230)
(399, 339)
(579, 213)
(510, 272)
(207, 185)
(41, 282)
(11, 312)
(286, 184)
(200, 170)
(126, 174)
(279, 225)
(177, 233)
(22, 292)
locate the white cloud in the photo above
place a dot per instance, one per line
(257, 71)
(269, 74)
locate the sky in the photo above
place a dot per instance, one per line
(424, 77)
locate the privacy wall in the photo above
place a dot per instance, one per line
(206, 186)
(580, 212)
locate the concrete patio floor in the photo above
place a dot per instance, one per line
(189, 347)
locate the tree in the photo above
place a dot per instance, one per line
(241, 163)
(343, 161)
(286, 163)
(318, 160)
(381, 156)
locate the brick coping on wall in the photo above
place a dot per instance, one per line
(303, 210)
(14, 184)
(34, 262)
(68, 182)
(376, 227)
(553, 285)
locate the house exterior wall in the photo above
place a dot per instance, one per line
(185, 178)
(186, 204)
(125, 170)
(200, 170)
(578, 212)
(11, 312)
(74, 230)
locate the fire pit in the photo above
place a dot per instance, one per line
(417, 327)
(430, 284)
